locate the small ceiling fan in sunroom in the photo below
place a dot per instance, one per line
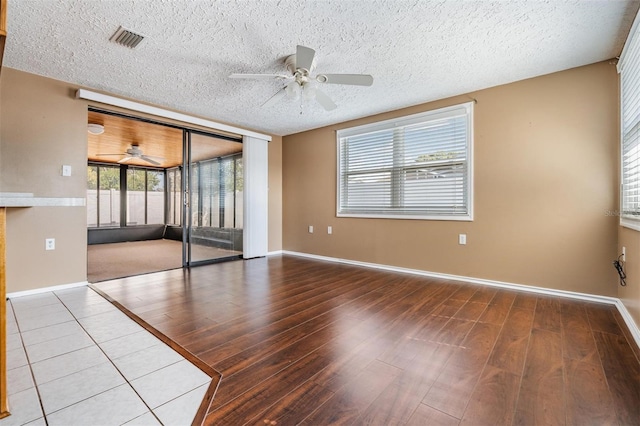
(135, 153)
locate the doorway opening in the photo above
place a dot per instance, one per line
(160, 196)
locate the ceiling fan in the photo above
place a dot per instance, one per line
(135, 153)
(301, 65)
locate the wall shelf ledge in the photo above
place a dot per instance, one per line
(23, 199)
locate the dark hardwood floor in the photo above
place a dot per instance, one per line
(299, 341)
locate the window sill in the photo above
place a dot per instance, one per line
(466, 218)
(630, 223)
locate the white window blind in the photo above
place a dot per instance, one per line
(413, 167)
(629, 68)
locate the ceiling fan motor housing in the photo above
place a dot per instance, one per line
(290, 62)
(134, 151)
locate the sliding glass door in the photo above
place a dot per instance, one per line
(214, 190)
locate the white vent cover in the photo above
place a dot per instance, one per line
(126, 38)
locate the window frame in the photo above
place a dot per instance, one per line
(99, 225)
(632, 46)
(124, 200)
(173, 197)
(432, 115)
(146, 170)
(224, 212)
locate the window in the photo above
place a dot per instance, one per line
(209, 173)
(629, 68)
(145, 196)
(239, 194)
(174, 196)
(413, 167)
(103, 196)
(142, 188)
(217, 193)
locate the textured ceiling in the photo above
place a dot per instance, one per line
(417, 51)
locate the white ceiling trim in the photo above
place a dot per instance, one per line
(160, 112)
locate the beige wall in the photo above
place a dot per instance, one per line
(630, 295)
(42, 127)
(545, 176)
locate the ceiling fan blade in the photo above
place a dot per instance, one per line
(149, 160)
(275, 98)
(304, 57)
(350, 79)
(154, 157)
(260, 76)
(325, 100)
(125, 159)
(108, 155)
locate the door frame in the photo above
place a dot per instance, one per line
(186, 132)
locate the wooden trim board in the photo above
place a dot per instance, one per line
(3, 28)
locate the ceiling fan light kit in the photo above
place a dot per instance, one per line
(301, 83)
(293, 90)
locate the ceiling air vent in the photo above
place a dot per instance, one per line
(126, 38)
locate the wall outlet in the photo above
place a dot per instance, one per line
(624, 254)
(311, 229)
(50, 244)
(329, 230)
(462, 239)
(66, 170)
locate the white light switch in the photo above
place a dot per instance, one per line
(462, 239)
(66, 170)
(329, 230)
(50, 244)
(311, 229)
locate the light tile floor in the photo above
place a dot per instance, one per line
(75, 359)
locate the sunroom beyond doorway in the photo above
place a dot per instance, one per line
(160, 197)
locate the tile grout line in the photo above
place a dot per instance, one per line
(29, 363)
(33, 377)
(181, 350)
(160, 342)
(112, 363)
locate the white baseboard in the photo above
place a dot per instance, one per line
(274, 253)
(628, 319)
(15, 294)
(633, 327)
(492, 283)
